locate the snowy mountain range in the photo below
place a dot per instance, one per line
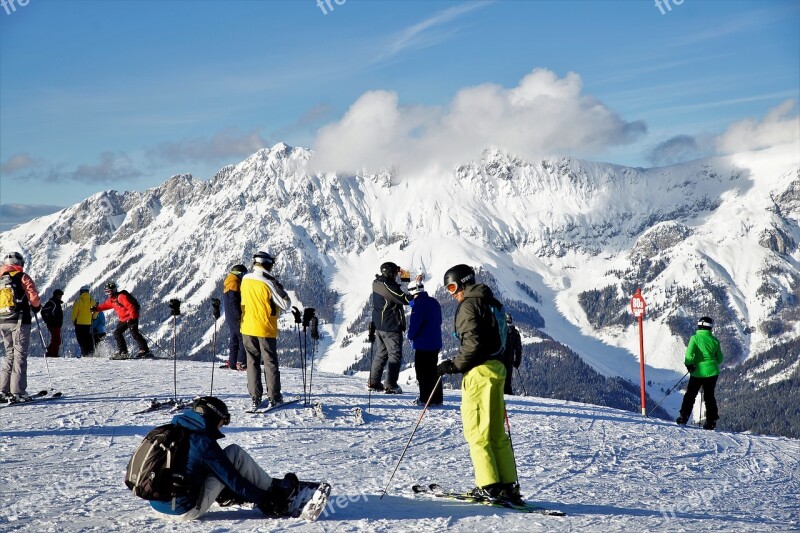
(572, 239)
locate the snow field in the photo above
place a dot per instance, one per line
(609, 470)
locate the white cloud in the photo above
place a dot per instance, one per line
(779, 126)
(542, 115)
(18, 162)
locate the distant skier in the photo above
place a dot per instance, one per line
(483, 408)
(388, 299)
(128, 313)
(702, 359)
(513, 354)
(18, 297)
(82, 320)
(225, 476)
(263, 298)
(425, 334)
(98, 328)
(53, 316)
(232, 300)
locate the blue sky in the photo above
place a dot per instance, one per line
(120, 94)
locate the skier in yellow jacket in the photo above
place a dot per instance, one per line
(263, 298)
(82, 317)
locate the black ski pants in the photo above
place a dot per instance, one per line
(133, 326)
(708, 385)
(425, 362)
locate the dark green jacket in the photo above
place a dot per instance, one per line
(704, 352)
(474, 326)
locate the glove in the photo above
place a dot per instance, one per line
(446, 367)
(516, 364)
(36, 309)
(691, 368)
(93, 309)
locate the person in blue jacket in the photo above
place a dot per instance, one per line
(425, 334)
(226, 476)
(232, 301)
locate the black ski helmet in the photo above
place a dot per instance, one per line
(461, 275)
(705, 323)
(213, 410)
(264, 259)
(239, 270)
(389, 269)
(14, 258)
(111, 287)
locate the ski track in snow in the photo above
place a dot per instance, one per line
(609, 470)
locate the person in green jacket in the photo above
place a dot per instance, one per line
(483, 408)
(702, 360)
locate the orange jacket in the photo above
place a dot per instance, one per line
(121, 305)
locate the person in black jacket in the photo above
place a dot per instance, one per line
(53, 316)
(483, 408)
(225, 476)
(388, 299)
(513, 353)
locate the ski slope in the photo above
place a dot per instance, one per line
(63, 461)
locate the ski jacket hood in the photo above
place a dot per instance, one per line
(425, 323)
(82, 310)
(28, 292)
(388, 299)
(704, 352)
(474, 327)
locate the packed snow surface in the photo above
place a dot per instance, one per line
(63, 461)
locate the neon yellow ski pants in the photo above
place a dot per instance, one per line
(482, 415)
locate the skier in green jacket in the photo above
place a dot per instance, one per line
(702, 360)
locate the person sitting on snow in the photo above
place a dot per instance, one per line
(227, 475)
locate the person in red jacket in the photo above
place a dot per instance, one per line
(128, 314)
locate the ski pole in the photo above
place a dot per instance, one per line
(151, 341)
(175, 310)
(46, 364)
(668, 393)
(308, 314)
(511, 443)
(215, 302)
(371, 339)
(521, 383)
(314, 340)
(297, 320)
(411, 437)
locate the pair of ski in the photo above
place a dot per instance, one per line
(39, 397)
(437, 491)
(171, 403)
(266, 406)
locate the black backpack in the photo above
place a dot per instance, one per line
(134, 302)
(155, 470)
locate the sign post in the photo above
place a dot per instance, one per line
(637, 308)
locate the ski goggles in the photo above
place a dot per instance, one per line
(452, 288)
